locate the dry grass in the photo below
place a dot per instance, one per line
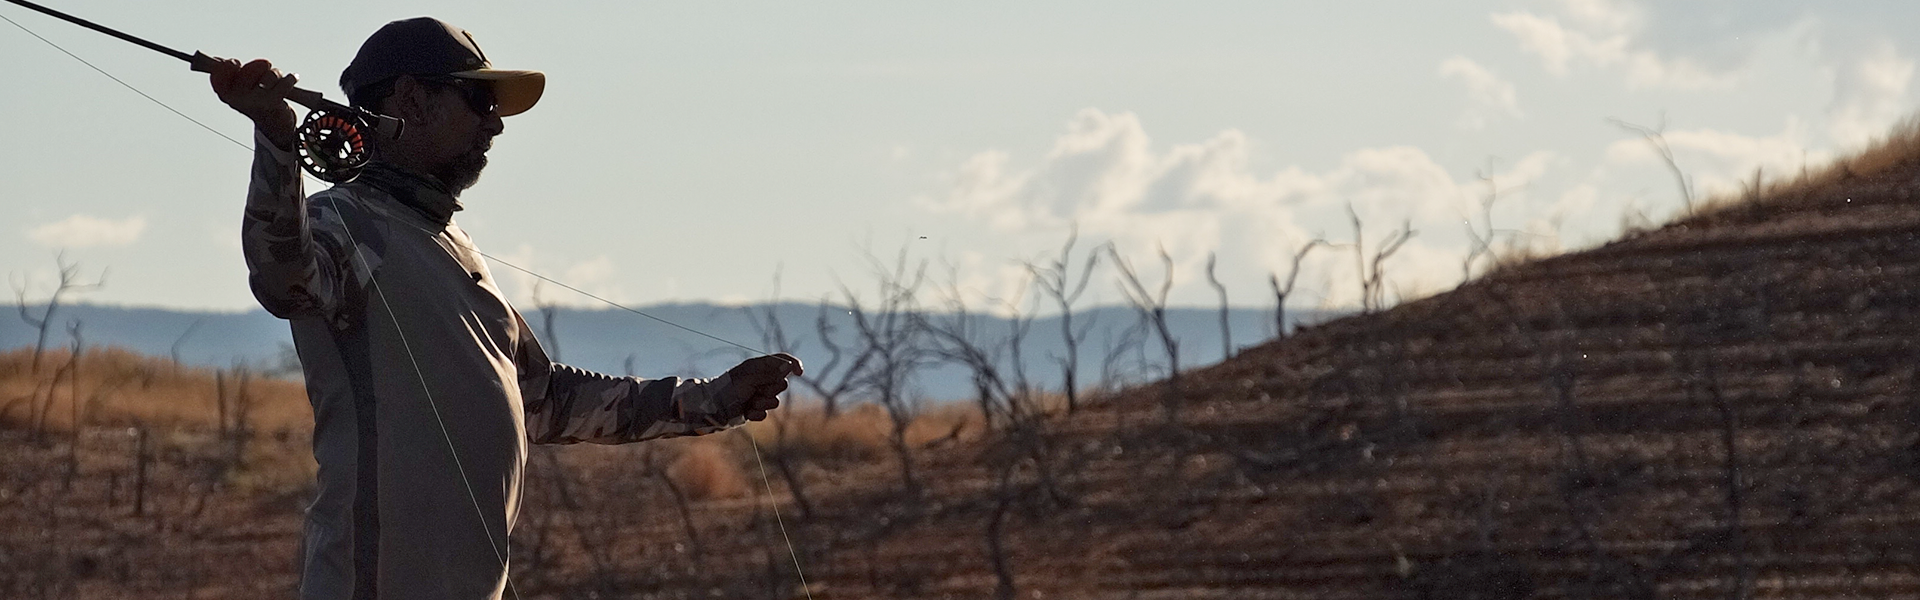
(860, 434)
(120, 387)
(1898, 149)
(704, 470)
(117, 387)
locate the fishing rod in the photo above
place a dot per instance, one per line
(333, 148)
(332, 141)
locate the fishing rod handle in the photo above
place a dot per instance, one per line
(312, 100)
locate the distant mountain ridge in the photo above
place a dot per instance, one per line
(619, 342)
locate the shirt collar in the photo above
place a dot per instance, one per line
(421, 193)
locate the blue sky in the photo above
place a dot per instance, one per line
(691, 151)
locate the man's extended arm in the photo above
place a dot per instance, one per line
(565, 405)
(583, 406)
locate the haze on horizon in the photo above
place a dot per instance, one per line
(693, 152)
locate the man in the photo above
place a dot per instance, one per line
(426, 384)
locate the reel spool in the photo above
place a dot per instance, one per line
(333, 144)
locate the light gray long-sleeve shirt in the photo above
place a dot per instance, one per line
(426, 384)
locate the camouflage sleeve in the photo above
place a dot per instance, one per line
(566, 405)
(294, 253)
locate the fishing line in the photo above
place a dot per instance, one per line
(499, 552)
(123, 83)
(249, 148)
(492, 543)
(776, 515)
(614, 304)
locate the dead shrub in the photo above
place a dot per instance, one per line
(859, 435)
(704, 471)
(853, 436)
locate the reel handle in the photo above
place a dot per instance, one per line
(313, 100)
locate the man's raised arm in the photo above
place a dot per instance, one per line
(293, 271)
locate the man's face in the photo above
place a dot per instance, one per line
(452, 129)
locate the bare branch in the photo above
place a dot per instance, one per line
(1360, 258)
(1153, 311)
(773, 334)
(1388, 247)
(1058, 282)
(69, 284)
(1656, 137)
(1282, 291)
(1152, 307)
(1132, 340)
(1372, 293)
(548, 313)
(891, 329)
(1005, 396)
(174, 351)
(1226, 329)
(1480, 239)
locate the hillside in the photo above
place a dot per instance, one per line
(1721, 408)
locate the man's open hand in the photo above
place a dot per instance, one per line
(757, 382)
(258, 91)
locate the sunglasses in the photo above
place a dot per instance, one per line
(478, 94)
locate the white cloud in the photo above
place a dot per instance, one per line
(515, 283)
(1611, 35)
(1578, 199)
(1870, 94)
(1701, 45)
(597, 270)
(598, 276)
(1528, 169)
(1603, 14)
(1491, 95)
(1542, 36)
(981, 187)
(1193, 198)
(83, 230)
(1721, 162)
(985, 283)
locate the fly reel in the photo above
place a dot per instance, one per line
(333, 144)
(335, 140)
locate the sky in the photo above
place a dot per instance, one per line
(734, 152)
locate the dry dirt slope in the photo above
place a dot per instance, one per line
(1722, 408)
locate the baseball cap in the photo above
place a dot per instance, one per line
(429, 46)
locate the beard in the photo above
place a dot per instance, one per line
(462, 173)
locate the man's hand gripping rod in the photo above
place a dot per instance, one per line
(332, 145)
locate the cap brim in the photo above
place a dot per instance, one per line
(515, 91)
